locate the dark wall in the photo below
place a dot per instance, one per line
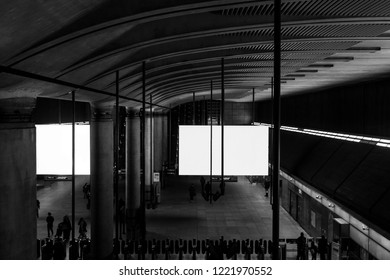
(238, 113)
(361, 109)
(312, 216)
(53, 111)
(355, 175)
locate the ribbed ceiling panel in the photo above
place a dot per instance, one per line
(319, 31)
(303, 46)
(308, 56)
(322, 45)
(336, 30)
(316, 8)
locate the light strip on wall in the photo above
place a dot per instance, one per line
(339, 136)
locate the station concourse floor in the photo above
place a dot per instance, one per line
(242, 213)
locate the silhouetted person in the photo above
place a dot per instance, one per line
(301, 242)
(50, 222)
(267, 185)
(313, 250)
(85, 190)
(66, 228)
(59, 230)
(322, 247)
(82, 228)
(89, 200)
(38, 207)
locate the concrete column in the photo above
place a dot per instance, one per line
(133, 174)
(164, 137)
(102, 194)
(149, 164)
(18, 206)
(160, 141)
(157, 142)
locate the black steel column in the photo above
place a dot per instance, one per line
(193, 108)
(222, 118)
(116, 145)
(170, 137)
(59, 111)
(211, 141)
(143, 124)
(151, 169)
(271, 144)
(253, 106)
(276, 130)
(73, 164)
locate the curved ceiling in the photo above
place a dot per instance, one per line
(325, 43)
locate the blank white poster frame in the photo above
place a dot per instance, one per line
(54, 149)
(245, 150)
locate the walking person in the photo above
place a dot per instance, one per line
(38, 207)
(85, 190)
(313, 250)
(301, 243)
(59, 230)
(89, 200)
(322, 247)
(66, 228)
(50, 222)
(82, 228)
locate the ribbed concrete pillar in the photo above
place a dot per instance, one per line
(164, 138)
(160, 140)
(149, 164)
(158, 149)
(18, 206)
(133, 174)
(102, 194)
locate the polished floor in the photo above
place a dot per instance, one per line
(244, 212)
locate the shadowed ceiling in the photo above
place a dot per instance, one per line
(325, 43)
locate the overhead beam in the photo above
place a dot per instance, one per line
(30, 75)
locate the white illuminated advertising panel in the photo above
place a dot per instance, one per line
(245, 150)
(54, 149)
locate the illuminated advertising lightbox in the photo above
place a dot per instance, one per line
(54, 149)
(245, 150)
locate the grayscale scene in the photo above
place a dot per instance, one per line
(195, 130)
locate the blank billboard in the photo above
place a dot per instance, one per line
(245, 150)
(54, 149)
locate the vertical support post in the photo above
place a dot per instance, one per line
(271, 144)
(73, 163)
(222, 120)
(152, 192)
(59, 111)
(170, 137)
(116, 163)
(253, 106)
(211, 141)
(204, 111)
(143, 124)
(276, 130)
(193, 108)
